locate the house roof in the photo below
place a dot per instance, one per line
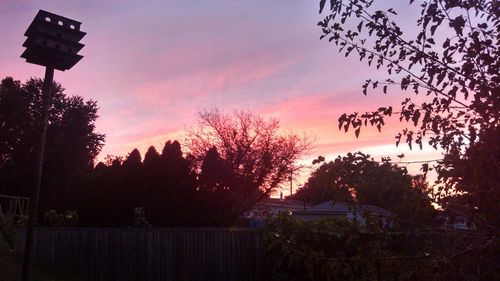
(331, 207)
(284, 203)
(274, 205)
(378, 210)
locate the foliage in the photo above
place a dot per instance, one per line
(359, 179)
(140, 217)
(68, 218)
(206, 189)
(225, 196)
(72, 143)
(253, 148)
(452, 66)
(340, 249)
(242, 156)
(454, 61)
(475, 173)
(164, 184)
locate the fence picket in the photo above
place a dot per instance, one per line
(176, 254)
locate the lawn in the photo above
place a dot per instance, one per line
(10, 268)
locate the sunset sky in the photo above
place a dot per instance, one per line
(151, 65)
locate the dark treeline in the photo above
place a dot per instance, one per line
(165, 184)
(169, 187)
(171, 190)
(231, 162)
(234, 160)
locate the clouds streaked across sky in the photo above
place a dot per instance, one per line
(151, 65)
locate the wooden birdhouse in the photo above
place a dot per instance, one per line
(53, 41)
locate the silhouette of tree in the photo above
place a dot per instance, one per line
(359, 179)
(216, 174)
(210, 188)
(164, 185)
(474, 173)
(453, 63)
(220, 193)
(259, 156)
(133, 160)
(16, 136)
(72, 143)
(171, 196)
(151, 158)
(241, 158)
(457, 71)
(171, 150)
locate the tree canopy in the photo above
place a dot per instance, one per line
(359, 179)
(450, 67)
(256, 154)
(453, 63)
(211, 187)
(72, 142)
(162, 184)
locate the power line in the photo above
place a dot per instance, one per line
(391, 162)
(412, 162)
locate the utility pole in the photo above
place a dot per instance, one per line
(40, 150)
(53, 42)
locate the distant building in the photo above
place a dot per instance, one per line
(341, 209)
(256, 217)
(461, 223)
(271, 207)
(446, 220)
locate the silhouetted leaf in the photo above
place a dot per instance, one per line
(321, 5)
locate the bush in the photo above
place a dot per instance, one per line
(341, 249)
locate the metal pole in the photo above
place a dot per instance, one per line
(35, 192)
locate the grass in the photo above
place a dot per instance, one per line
(11, 265)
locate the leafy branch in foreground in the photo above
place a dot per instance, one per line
(457, 73)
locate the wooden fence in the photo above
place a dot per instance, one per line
(128, 254)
